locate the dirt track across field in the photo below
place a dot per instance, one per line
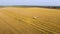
(29, 21)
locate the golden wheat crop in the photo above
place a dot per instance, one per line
(29, 21)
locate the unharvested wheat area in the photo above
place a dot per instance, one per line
(14, 20)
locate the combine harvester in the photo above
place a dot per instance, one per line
(15, 20)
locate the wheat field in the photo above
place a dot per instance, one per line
(32, 20)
